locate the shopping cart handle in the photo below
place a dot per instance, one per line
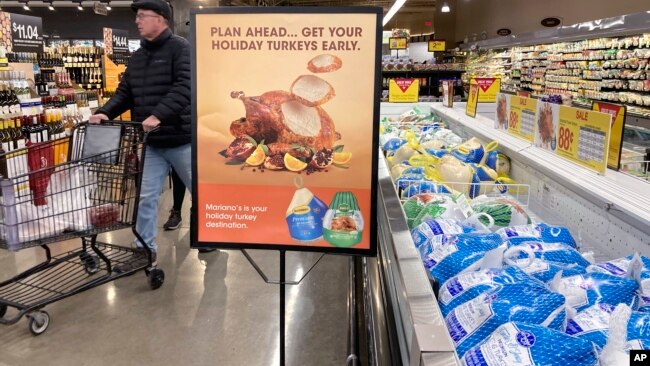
(112, 122)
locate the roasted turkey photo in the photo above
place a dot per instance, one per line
(289, 130)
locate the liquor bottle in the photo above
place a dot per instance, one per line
(14, 106)
(4, 105)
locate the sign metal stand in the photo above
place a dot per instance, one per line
(282, 282)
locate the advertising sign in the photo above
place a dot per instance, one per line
(286, 116)
(398, 43)
(489, 87)
(616, 135)
(472, 100)
(448, 93)
(578, 135)
(403, 90)
(116, 41)
(21, 33)
(437, 45)
(521, 117)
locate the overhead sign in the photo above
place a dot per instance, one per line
(616, 135)
(504, 32)
(437, 45)
(286, 159)
(398, 43)
(472, 100)
(578, 135)
(489, 87)
(100, 8)
(21, 33)
(403, 90)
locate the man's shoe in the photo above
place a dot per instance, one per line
(206, 250)
(136, 260)
(174, 221)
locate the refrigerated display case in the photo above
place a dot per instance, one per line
(607, 214)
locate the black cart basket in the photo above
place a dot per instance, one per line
(76, 186)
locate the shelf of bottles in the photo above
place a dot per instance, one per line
(82, 64)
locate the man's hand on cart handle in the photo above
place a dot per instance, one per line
(97, 118)
(150, 124)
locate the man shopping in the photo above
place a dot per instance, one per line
(156, 88)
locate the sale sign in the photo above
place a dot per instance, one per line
(521, 117)
(403, 90)
(116, 41)
(616, 135)
(21, 33)
(436, 45)
(583, 137)
(472, 100)
(489, 88)
(286, 159)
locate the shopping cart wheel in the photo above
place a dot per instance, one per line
(38, 322)
(3, 310)
(156, 277)
(91, 263)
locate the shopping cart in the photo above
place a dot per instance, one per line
(75, 186)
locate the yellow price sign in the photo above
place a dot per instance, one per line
(472, 100)
(437, 45)
(403, 90)
(397, 43)
(521, 117)
(583, 137)
(618, 113)
(489, 87)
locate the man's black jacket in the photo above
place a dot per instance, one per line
(157, 82)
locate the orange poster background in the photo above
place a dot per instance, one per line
(269, 227)
(220, 72)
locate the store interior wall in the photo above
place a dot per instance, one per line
(523, 16)
(182, 14)
(70, 23)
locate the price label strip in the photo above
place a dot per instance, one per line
(521, 118)
(583, 137)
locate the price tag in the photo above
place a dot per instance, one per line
(26, 33)
(490, 87)
(403, 90)
(618, 113)
(521, 117)
(583, 137)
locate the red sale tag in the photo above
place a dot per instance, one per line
(404, 84)
(485, 83)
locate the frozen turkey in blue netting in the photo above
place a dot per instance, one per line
(591, 324)
(553, 252)
(430, 229)
(640, 268)
(582, 291)
(617, 267)
(473, 321)
(519, 344)
(539, 232)
(459, 254)
(545, 271)
(466, 286)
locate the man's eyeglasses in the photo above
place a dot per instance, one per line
(142, 16)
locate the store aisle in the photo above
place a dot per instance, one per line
(213, 309)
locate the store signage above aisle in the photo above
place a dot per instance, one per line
(578, 135)
(516, 115)
(21, 33)
(398, 43)
(488, 89)
(618, 113)
(437, 45)
(472, 100)
(403, 90)
(286, 159)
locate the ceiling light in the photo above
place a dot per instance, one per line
(79, 7)
(51, 6)
(26, 6)
(200, 6)
(108, 6)
(445, 8)
(393, 10)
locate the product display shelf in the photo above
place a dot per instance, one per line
(611, 213)
(423, 337)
